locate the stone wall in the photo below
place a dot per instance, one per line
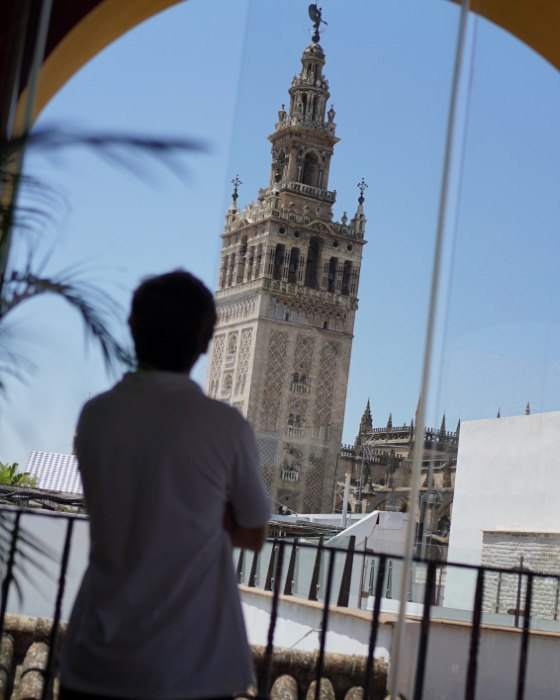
(538, 552)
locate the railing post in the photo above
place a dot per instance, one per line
(8, 578)
(49, 671)
(253, 575)
(289, 585)
(323, 636)
(519, 583)
(475, 635)
(264, 676)
(389, 587)
(374, 625)
(525, 639)
(498, 591)
(270, 572)
(314, 587)
(240, 565)
(424, 630)
(344, 593)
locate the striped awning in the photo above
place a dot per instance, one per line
(55, 472)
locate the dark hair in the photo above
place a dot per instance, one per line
(172, 320)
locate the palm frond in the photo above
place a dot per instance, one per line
(120, 149)
(94, 306)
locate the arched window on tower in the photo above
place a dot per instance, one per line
(278, 262)
(346, 274)
(279, 165)
(309, 172)
(258, 261)
(312, 265)
(250, 263)
(242, 260)
(331, 278)
(292, 270)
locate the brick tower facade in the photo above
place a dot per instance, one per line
(286, 301)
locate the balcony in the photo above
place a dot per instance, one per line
(298, 187)
(323, 612)
(289, 474)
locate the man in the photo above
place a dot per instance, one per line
(171, 482)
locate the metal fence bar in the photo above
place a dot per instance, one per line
(9, 576)
(289, 586)
(253, 575)
(424, 631)
(240, 561)
(323, 637)
(498, 589)
(374, 625)
(314, 587)
(15, 536)
(344, 593)
(264, 680)
(525, 639)
(519, 585)
(49, 671)
(270, 572)
(475, 636)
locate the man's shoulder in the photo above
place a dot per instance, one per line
(224, 412)
(171, 390)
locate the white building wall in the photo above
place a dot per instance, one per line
(507, 482)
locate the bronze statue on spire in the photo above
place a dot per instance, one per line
(315, 16)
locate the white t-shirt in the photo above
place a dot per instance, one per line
(158, 612)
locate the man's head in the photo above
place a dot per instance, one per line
(172, 320)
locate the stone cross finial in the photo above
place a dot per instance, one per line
(235, 182)
(362, 186)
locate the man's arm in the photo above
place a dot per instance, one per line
(243, 537)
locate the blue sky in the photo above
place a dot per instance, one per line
(219, 71)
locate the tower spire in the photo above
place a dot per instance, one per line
(303, 141)
(359, 220)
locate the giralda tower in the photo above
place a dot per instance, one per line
(286, 301)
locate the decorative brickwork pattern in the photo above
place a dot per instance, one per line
(267, 448)
(314, 482)
(275, 370)
(227, 384)
(325, 388)
(231, 351)
(301, 380)
(216, 368)
(243, 363)
(539, 552)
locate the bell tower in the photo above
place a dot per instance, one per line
(286, 302)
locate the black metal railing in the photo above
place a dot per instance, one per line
(337, 577)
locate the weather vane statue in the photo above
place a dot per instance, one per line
(315, 16)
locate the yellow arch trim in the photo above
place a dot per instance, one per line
(534, 22)
(106, 22)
